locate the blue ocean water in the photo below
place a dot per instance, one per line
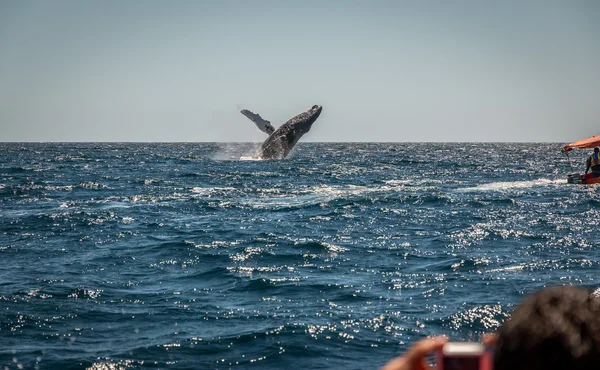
(183, 256)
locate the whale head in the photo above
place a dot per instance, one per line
(306, 119)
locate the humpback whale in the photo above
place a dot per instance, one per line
(281, 141)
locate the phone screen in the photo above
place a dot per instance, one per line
(461, 363)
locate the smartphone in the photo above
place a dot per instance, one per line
(464, 356)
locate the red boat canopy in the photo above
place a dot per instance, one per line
(590, 142)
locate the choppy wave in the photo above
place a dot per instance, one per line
(126, 256)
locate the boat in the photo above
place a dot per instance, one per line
(577, 178)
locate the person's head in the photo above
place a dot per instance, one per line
(556, 328)
(596, 150)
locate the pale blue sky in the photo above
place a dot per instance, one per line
(383, 70)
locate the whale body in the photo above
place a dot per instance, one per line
(281, 141)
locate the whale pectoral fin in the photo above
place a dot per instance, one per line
(262, 124)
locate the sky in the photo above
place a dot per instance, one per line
(384, 71)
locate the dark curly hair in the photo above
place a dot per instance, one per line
(555, 328)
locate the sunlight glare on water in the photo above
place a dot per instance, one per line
(184, 256)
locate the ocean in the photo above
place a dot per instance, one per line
(185, 256)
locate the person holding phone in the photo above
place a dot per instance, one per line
(557, 328)
(416, 357)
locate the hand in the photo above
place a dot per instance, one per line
(416, 357)
(489, 339)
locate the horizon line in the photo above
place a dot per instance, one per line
(304, 142)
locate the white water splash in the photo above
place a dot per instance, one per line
(245, 158)
(235, 152)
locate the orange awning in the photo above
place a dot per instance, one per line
(590, 142)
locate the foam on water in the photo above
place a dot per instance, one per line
(510, 185)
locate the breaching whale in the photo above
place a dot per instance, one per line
(281, 141)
